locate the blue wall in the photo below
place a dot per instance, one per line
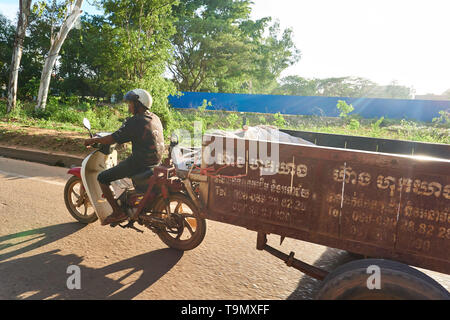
(423, 110)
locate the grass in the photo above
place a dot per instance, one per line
(66, 116)
(376, 128)
(61, 116)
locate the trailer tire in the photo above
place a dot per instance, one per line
(397, 282)
(356, 256)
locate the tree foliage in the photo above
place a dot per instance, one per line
(138, 34)
(164, 45)
(82, 64)
(446, 93)
(218, 48)
(354, 87)
(16, 52)
(344, 108)
(7, 31)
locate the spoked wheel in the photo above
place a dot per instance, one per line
(184, 228)
(77, 201)
(378, 279)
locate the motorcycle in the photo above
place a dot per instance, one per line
(157, 198)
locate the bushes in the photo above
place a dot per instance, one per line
(102, 118)
(19, 112)
(344, 108)
(279, 120)
(66, 114)
(233, 120)
(57, 112)
(376, 125)
(69, 115)
(443, 119)
(2, 108)
(354, 124)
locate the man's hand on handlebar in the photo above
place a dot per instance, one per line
(89, 142)
(103, 140)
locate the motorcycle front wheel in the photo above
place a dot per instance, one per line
(186, 229)
(77, 201)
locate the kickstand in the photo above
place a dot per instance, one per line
(131, 226)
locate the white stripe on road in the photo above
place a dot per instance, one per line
(31, 178)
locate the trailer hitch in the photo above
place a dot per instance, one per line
(317, 273)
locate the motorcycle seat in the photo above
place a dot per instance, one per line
(140, 180)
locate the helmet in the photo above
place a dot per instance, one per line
(140, 95)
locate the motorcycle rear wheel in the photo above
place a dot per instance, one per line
(189, 221)
(73, 191)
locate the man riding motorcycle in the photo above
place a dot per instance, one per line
(145, 131)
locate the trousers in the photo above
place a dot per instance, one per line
(126, 168)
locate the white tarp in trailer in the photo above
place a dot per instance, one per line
(184, 158)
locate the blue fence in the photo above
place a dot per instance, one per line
(422, 110)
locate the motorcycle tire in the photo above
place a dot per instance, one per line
(191, 220)
(71, 207)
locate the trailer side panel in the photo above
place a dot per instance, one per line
(382, 205)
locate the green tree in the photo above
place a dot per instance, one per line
(63, 17)
(345, 87)
(41, 29)
(276, 52)
(83, 65)
(138, 33)
(329, 87)
(446, 94)
(218, 48)
(297, 86)
(16, 56)
(396, 91)
(7, 31)
(353, 87)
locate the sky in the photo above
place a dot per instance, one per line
(381, 40)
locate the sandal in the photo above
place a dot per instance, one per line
(114, 218)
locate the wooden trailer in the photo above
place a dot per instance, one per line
(385, 200)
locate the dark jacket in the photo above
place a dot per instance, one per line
(145, 132)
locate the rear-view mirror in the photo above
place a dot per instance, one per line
(87, 124)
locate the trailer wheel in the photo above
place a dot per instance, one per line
(397, 282)
(356, 256)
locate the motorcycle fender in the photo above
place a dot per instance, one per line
(75, 171)
(92, 165)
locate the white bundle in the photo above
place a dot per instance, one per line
(184, 158)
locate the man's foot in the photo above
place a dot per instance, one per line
(114, 217)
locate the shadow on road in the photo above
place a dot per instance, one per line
(37, 238)
(45, 276)
(308, 287)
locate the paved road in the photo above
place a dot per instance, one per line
(39, 240)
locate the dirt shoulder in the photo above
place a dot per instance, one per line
(43, 139)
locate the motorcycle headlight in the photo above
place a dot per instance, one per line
(173, 140)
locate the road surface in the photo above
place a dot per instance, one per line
(39, 240)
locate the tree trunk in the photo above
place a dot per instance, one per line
(53, 54)
(22, 23)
